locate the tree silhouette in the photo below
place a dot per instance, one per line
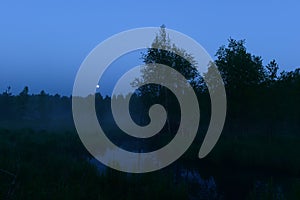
(23, 101)
(42, 105)
(163, 51)
(272, 69)
(6, 102)
(239, 69)
(243, 75)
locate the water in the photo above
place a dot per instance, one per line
(220, 183)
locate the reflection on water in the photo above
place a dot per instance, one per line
(213, 186)
(199, 187)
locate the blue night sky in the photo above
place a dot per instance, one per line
(43, 43)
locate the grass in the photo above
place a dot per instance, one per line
(279, 154)
(53, 165)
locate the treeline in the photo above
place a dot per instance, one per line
(33, 110)
(260, 100)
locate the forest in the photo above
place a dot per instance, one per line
(257, 156)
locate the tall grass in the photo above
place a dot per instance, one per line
(55, 166)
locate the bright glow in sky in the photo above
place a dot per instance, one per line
(42, 43)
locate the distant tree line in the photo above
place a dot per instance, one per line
(33, 108)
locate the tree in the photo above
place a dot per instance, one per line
(239, 69)
(42, 104)
(6, 104)
(7, 92)
(23, 101)
(163, 51)
(24, 92)
(272, 69)
(243, 74)
(289, 96)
